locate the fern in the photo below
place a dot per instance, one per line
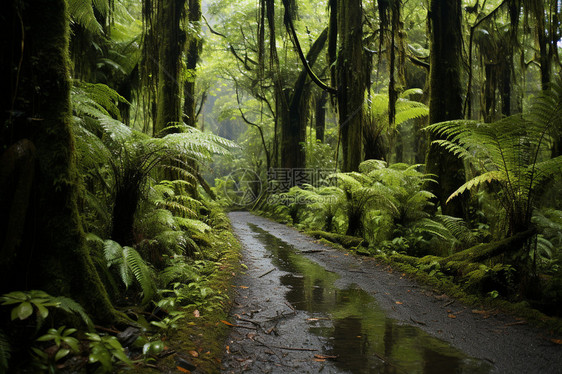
(71, 306)
(5, 352)
(130, 266)
(82, 13)
(511, 152)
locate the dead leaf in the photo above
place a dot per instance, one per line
(313, 319)
(556, 341)
(194, 353)
(228, 349)
(227, 323)
(399, 303)
(244, 287)
(319, 360)
(451, 315)
(250, 336)
(196, 313)
(324, 357)
(182, 369)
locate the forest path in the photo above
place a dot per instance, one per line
(303, 307)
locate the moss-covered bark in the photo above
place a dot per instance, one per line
(192, 58)
(320, 115)
(445, 101)
(171, 41)
(351, 81)
(293, 118)
(52, 255)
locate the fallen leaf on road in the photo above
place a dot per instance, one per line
(324, 357)
(319, 360)
(556, 341)
(399, 303)
(194, 353)
(227, 323)
(182, 369)
(451, 315)
(243, 286)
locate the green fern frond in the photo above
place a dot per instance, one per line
(435, 229)
(141, 272)
(5, 352)
(179, 272)
(82, 13)
(407, 110)
(71, 306)
(192, 225)
(369, 165)
(458, 228)
(411, 92)
(488, 177)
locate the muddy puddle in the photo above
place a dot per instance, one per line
(352, 325)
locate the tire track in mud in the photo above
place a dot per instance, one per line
(303, 307)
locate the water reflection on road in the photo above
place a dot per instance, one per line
(355, 328)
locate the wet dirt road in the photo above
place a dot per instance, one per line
(303, 307)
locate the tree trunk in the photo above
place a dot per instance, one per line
(445, 101)
(171, 42)
(52, 254)
(293, 120)
(351, 82)
(193, 51)
(320, 115)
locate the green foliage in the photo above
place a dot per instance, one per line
(106, 350)
(170, 322)
(512, 153)
(64, 342)
(39, 302)
(130, 265)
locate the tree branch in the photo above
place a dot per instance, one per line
(291, 30)
(268, 160)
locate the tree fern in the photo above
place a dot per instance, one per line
(512, 152)
(82, 13)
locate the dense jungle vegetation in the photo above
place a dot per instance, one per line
(426, 132)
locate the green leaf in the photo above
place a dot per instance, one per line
(61, 353)
(22, 311)
(43, 312)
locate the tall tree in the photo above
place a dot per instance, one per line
(171, 41)
(35, 116)
(445, 102)
(293, 117)
(350, 80)
(192, 58)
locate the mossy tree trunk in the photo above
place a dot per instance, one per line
(350, 81)
(320, 115)
(445, 102)
(293, 119)
(192, 58)
(52, 254)
(171, 41)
